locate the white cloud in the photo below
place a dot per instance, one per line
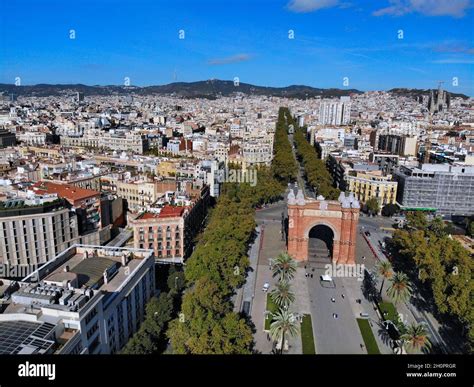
(454, 61)
(454, 8)
(230, 59)
(302, 6)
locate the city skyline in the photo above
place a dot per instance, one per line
(326, 44)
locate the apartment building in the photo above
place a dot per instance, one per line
(88, 300)
(140, 195)
(368, 185)
(400, 145)
(333, 112)
(86, 202)
(33, 234)
(116, 141)
(171, 231)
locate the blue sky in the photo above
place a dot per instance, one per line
(333, 39)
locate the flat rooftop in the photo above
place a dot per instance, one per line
(89, 271)
(25, 337)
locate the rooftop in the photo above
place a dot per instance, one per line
(66, 191)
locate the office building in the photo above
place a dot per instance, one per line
(448, 189)
(88, 300)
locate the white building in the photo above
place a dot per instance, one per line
(89, 300)
(333, 112)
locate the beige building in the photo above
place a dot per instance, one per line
(33, 235)
(368, 185)
(140, 194)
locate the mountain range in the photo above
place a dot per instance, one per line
(211, 89)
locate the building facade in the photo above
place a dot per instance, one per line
(447, 188)
(92, 298)
(366, 186)
(33, 235)
(335, 112)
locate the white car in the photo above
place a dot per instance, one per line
(265, 287)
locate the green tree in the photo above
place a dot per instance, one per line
(284, 267)
(437, 227)
(284, 324)
(150, 337)
(207, 325)
(416, 337)
(282, 295)
(390, 209)
(417, 220)
(400, 288)
(176, 281)
(384, 269)
(140, 344)
(470, 229)
(373, 206)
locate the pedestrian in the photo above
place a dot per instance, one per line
(311, 275)
(333, 299)
(342, 295)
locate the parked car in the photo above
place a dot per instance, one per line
(265, 287)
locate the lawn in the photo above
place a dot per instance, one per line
(271, 307)
(307, 338)
(368, 336)
(388, 311)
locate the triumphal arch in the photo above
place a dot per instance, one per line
(331, 223)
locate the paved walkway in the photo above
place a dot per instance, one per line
(247, 292)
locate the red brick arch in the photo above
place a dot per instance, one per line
(340, 216)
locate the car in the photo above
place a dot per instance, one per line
(265, 287)
(246, 308)
(325, 278)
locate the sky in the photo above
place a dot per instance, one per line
(366, 45)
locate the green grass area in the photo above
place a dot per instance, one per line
(368, 336)
(271, 307)
(307, 338)
(388, 311)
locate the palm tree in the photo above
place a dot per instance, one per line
(400, 288)
(284, 267)
(282, 295)
(416, 337)
(384, 269)
(284, 323)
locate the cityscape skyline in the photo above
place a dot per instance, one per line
(315, 43)
(288, 177)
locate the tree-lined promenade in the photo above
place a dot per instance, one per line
(315, 169)
(206, 323)
(442, 267)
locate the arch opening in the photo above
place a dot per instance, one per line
(320, 244)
